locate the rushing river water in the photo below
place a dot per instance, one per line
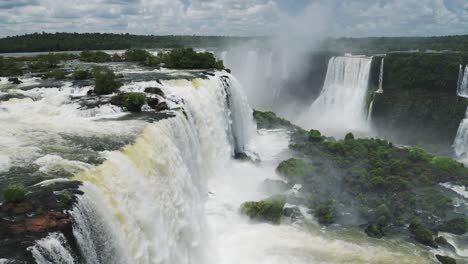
(165, 188)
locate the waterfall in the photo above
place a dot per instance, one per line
(462, 88)
(145, 203)
(340, 108)
(52, 249)
(381, 76)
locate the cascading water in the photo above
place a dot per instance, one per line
(462, 88)
(461, 140)
(381, 76)
(151, 193)
(340, 108)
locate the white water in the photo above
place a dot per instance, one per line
(340, 108)
(52, 249)
(461, 141)
(381, 76)
(462, 89)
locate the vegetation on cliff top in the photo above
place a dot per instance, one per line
(385, 186)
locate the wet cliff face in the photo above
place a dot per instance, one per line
(419, 104)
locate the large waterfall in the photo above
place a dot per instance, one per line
(340, 108)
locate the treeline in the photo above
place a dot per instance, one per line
(375, 45)
(41, 42)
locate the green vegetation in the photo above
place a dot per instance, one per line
(95, 56)
(269, 120)
(325, 213)
(420, 103)
(14, 193)
(186, 59)
(419, 154)
(58, 74)
(422, 234)
(106, 81)
(137, 55)
(97, 41)
(82, 75)
(379, 45)
(269, 210)
(385, 185)
(9, 67)
(132, 101)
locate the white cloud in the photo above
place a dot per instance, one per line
(231, 17)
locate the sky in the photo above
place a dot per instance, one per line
(351, 18)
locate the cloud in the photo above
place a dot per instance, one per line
(231, 17)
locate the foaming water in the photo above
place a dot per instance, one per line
(340, 108)
(463, 82)
(52, 249)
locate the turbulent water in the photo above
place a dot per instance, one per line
(172, 194)
(340, 108)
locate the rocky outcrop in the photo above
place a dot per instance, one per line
(154, 90)
(15, 80)
(44, 210)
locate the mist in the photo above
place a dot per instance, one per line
(276, 72)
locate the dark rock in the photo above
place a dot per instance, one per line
(446, 259)
(209, 73)
(161, 107)
(294, 213)
(90, 92)
(7, 97)
(152, 102)
(15, 80)
(228, 70)
(154, 90)
(43, 211)
(457, 226)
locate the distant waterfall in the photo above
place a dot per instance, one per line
(145, 203)
(381, 76)
(340, 108)
(461, 140)
(462, 88)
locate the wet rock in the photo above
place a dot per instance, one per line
(15, 80)
(154, 90)
(209, 73)
(294, 213)
(6, 97)
(163, 106)
(457, 226)
(90, 92)
(44, 210)
(152, 102)
(228, 70)
(446, 259)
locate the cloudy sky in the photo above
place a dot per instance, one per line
(235, 17)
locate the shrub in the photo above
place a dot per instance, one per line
(14, 193)
(187, 59)
(270, 120)
(325, 213)
(95, 56)
(349, 136)
(82, 75)
(269, 210)
(422, 234)
(137, 55)
(134, 101)
(315, 136)
(375, 230)
(9, 67)
(56, 74)
(419, 154)
(446, 164)
(294, 168)
(105, 81)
